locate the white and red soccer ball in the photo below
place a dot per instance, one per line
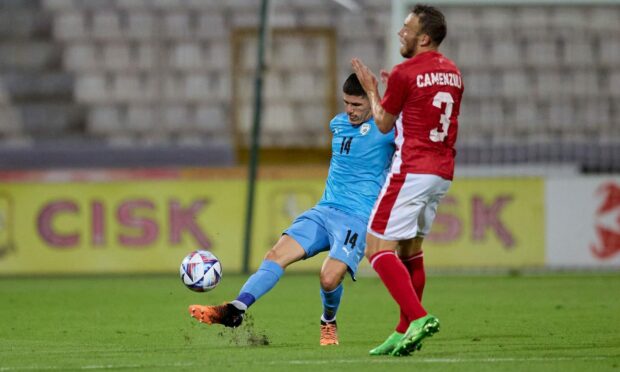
(201, 271)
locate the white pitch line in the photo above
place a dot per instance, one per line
(377, 360)
(96, 367)
(437, 360)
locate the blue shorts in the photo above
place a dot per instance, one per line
(327, 229)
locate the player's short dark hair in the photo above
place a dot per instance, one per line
(353, 87)
(432, 22)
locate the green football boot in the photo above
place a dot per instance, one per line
(418, 330)
(388, 345)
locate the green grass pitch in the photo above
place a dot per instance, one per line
(542, 322)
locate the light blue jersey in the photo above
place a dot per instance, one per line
(360, 161)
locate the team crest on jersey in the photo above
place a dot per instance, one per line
(364, 129)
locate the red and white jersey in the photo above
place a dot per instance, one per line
(425, 92)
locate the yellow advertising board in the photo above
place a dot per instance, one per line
(490, 222)
(118, 227)
(496, 222)
(278, 202)
(148, 225)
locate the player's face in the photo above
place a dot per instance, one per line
(409, 36)
(357, 108)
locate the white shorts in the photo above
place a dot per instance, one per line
(407, 206)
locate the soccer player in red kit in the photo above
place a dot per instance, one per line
(422, 100)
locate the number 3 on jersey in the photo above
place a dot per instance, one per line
(441, 132)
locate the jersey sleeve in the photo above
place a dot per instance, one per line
(332, 124)
(394, 97)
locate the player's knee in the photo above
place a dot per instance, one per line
(370, 251)
(329, 281)
(273, 255)
(283, 255)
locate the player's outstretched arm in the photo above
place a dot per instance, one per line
(383, 119)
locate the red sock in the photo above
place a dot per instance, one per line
(398, 282)
(415, 266)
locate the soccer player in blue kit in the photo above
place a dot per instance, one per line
(361, 157)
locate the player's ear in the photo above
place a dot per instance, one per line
(424, 40)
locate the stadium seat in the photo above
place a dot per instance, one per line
(613, 84)
(130, 88)
(472, 54)
(550, 83)
(465, 20)
(516, 83)
(212, 120)
(105, 120)
(141, 118)
(505, 53)
(497, 21)
(168, 5)
(186, 56)
(585, 83)
(81, 56)
(116, 56)
(176, 25)
(532, 22)
(595, 114)
(10, 121)
(59, 5)
(568, 19)
(274, 88)
(173, 85)
(541, 53)
(106, 25)
(561, 116)
(141, 25)
(92, 88)
(197, 87)
(176, 118)
(133, 4)
(578, 52)
(322, 17)
(604, 19)
(526, 117)
(479, 83)
(609, 52)
(70, 25)
(145, 56)
(211, 25)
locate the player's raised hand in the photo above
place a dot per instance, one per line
(385, 75)
(367, 79)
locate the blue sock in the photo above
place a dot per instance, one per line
(259, 283)
(331, 301)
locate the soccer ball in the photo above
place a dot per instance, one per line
(201, 271)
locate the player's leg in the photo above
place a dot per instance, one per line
(346, 250)
(283, 253)
(394, 219)
(332, 274)
(286, 251)
(411, 255)
(393, 274)
(426, 326)
(304, 238)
